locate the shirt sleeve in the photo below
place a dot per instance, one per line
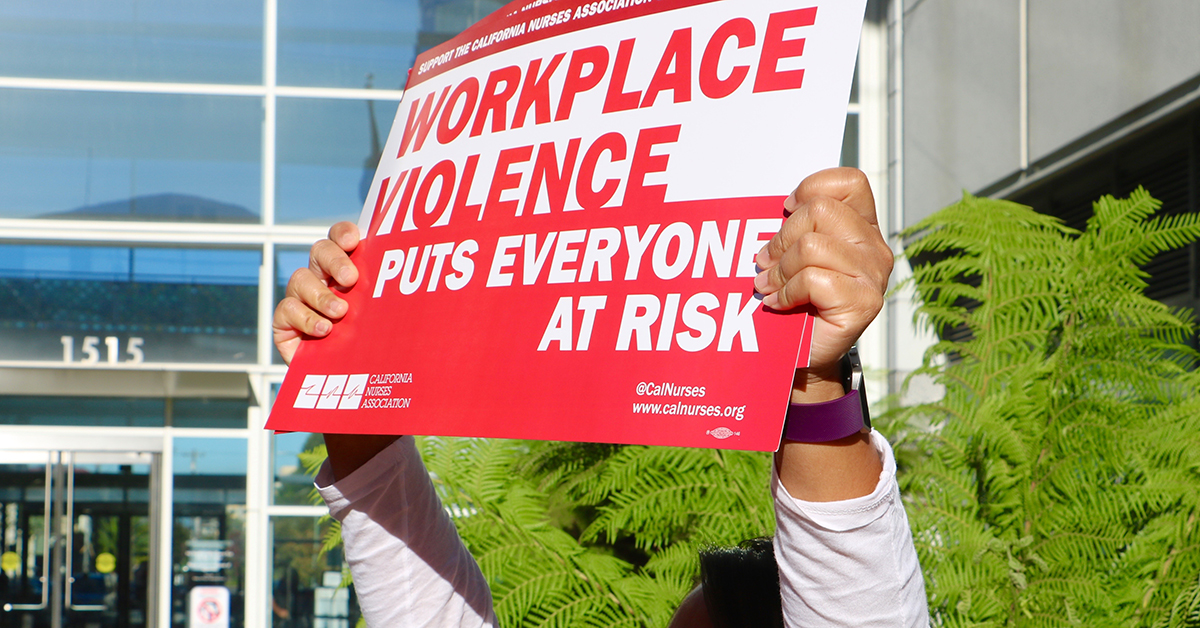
(409, 565)
(852, 562)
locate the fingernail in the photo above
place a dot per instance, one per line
(323, 328)
(760, 281)
(761, 258)
(771, 300)
(338, 308)
(789, 203)
(344, 276)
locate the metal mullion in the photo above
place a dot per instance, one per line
(266, 304)
(198, 89)
(69, 548)
(1023, 83)
(46, 521)
(154, 518)
(257, 587)
(189, 367)
(130, 87)
(166, 530)
(339, 93)
(297, 511)
(258, 488)
(873, 161)
(135, 233)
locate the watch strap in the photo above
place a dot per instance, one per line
(836, 419)
(826, 421)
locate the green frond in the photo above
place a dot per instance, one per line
(1060, 480)
(312, 459)
(333, 536)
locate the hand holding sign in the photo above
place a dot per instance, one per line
(310, 305)
(830, 254)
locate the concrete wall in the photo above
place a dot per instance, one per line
(961, 96)
(1092, 60)
(1090, 63)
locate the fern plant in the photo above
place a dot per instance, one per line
(1060, 482)
(580, 534)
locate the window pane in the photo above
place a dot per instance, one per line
(347, 43)
(100, 411)
(126, 305)
(443, 19)
(305, 582)
(293, 485)
(210, 520)
(210, 413)
(215, 41)
(90, 155)
(213, 457)
(353, 43)
(326, 156)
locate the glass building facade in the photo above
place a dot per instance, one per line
(164, 168)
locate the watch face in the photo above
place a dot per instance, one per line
(852, 375)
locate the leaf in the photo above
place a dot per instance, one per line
(1056, 486)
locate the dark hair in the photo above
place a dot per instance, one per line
(741, 585)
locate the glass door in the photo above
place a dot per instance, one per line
(78, 534)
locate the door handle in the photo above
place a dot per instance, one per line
(47, 518)
(69, 550)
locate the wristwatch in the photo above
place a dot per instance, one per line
(831, 420)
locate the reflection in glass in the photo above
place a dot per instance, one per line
(96, 155)
(123, 411)
(209, 413)
(221, 460)
(293, 484)
(210, 521)
(340, 44)
(23, 535)
(306, 582)
(287, 261)
(111, 543)
(114, 305)
(443, 19)
(215, 41)
(107, 538)
(326, 155)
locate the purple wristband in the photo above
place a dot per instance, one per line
(825, 421)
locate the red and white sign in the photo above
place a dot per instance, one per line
(208, 607)
(560, 237)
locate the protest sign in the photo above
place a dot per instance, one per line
(560, 237)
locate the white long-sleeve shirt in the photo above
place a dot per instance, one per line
(845, 563)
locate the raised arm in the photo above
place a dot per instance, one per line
(842, 543)
(310, 308)
(830, 254)
(408, 563)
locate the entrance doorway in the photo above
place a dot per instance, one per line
(79, 529)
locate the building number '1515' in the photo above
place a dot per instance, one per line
(112, 346)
